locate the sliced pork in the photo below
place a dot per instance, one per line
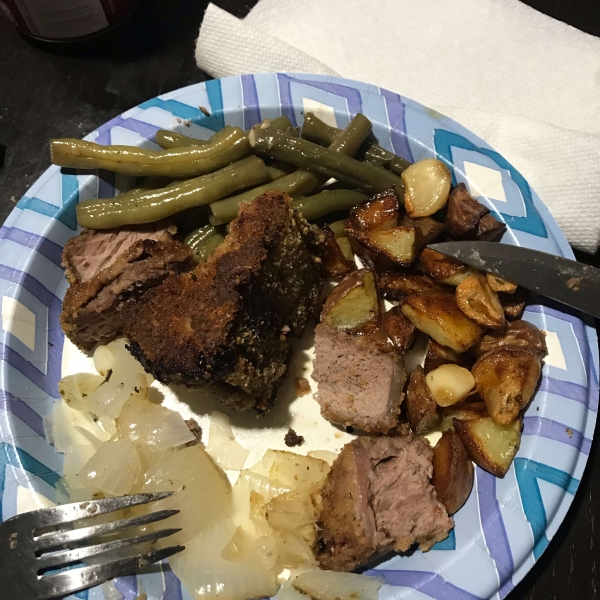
(378, 497)
(360, 384)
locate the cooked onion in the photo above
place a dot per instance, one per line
(293, 549)
(113, 469)
(224, 449)
(327, 455)
(205, 574)
(244, 547)
(151, 427)
(77, 389)
(115, 357)
(108, 398)
(203, 494)
(296, 471)
(290, 511)
(330, 585)
(68, 423)
(75, 459)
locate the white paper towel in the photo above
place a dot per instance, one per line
(527, 84)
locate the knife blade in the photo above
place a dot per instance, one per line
(567, 281)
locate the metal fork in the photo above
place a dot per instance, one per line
(24, 555)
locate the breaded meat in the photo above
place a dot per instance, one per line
(230, 322)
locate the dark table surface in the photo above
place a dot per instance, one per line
(44, 95)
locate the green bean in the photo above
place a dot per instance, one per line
(313, 207)
(203, 241)
(276, 172)
(306, 155)
(319, 132)
(178, 162)
(282, 123)
(338, 228)
(151, 183)
(171, 139)
(299, 183)
(158, 204)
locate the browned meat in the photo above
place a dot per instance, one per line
(229, 323)
(359, 384)
(87, 254)
(378, 497)
(105, 272)
(463, 212)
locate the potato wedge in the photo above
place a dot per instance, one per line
(466, 411)
(479, 302)
(506, 378)
(490, 445)
(438, 355)
(346, 248)
(426, 187)
(421, 407)
(399, 329)
(438, 316)
(430, 229)
(450, 384)
(463, 212)
(453, 471)
(443, 268)
(383, 249)
(514, 304)
(498, 284)
(519, 334)
(380, 212)
(338, 228)
(353, 305)
(396, 286)
(334, 263)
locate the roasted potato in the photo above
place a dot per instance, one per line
(479, 302)
(429, 228)
(514, 304)
(450, 384)
(421, 407)
(396, 286)
(438, 315)
(426, 187)
(334, 262)
(465, 411)
(453, 471)
(519, 334)
(490, 445)
(353, 305)
(383, 249)
(443, 268)
(489, 229)
(380, 212)
(498, 284)
(506, 378)
(399, 329)
(463, 212)
(438, 355)
(338, 228)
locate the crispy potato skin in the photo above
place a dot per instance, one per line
(491, 446)
(438, 315)
(442, 268)
(374, 247)
(514, 303)
(506, 378)
(333, 261)
(463, 212)
(382, 211)
(341, 301)
(396, 286)
(479, 302)
(453, 471)
(518, 334)
(399, 329)
(489, 229)
(421, 407)
(438, 355)
(429, 228)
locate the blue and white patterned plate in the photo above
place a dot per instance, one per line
(506, 523)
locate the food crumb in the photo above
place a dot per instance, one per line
(196, 430)
(292, 439)
(13, 199)
(108, 375)
(302, 386)
(204, 110)
(574, 283)
(178, 120)
(569, 432)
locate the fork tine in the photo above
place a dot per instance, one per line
(52, 540)
(69, 582)
(64, 557)
(67, 513)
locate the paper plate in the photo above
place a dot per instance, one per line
(506, 523)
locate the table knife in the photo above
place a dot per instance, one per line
(567, 281)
